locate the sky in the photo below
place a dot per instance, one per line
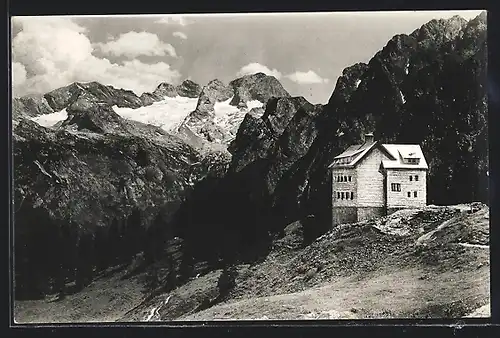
(305, 51)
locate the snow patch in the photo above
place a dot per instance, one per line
(480, 246)
(229, 117)
(407, 67)
(49, 120)
(482, 312)
(155, 312)
(151, 314)
(357, 83)
(42, 169)
(402, 97)
(254, 104)
(167, 114)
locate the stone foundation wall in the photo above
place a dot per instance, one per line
(366, 213)
(393, 210)
(341, 215)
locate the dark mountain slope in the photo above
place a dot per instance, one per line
(425, 88)
(95, 191)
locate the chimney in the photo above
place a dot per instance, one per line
(369, 138)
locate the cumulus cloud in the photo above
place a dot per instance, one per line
(173, 20)
(180, 35)
(255, 67)
(18, 74)
(133, 44)
(52, 52)
(47, 44)
(308, 77)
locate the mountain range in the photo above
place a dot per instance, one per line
(226, 168)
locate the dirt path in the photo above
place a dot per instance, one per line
(105, 300)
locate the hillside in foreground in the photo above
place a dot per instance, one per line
(423, 263)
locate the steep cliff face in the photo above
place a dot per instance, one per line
(231, 217)
(426, 88)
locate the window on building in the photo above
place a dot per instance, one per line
(411, 177)
(349, 178)
(342, 195)
(395, 187)
(338, 194)
(352, 195)
(345, 178)
(416, 177)
(414, 194)
(409, 194)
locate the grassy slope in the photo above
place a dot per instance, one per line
(106, 299)
(428, 263)
(427, 273)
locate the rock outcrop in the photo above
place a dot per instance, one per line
(63, 97)
(259, 86)
(165, 89)
(188, 88)
(201, 122)
(30, 106)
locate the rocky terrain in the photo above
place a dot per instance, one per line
(386, 268)
(110, 180)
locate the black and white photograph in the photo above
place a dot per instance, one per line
(250, 166)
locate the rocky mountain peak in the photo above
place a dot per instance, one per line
(476, 26)
(85, 115)
(347, 83)
(61, 98)
(188, 88)
(165, 89)
(214, 91)
(440, 31)
(257, 86)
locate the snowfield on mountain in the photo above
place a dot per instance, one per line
(169, 113)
